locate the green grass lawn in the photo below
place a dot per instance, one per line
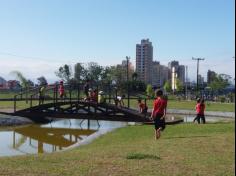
(19, 104)
(172, 104)
(190, 105)
(185, 149)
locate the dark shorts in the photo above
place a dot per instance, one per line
(158, 122)
(144, 111)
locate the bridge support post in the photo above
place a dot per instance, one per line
(15, 103)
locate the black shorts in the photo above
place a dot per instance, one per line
(144, 111)
(158, 122)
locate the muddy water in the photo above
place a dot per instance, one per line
(55, 136)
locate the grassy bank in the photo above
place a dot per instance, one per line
(186, 149)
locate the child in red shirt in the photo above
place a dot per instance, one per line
(142, 107)
(61, 90)
(200, 108)
(94, 95)
(159, 113)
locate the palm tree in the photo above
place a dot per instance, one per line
(23, 81)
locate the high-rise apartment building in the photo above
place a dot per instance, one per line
(164, 75)
(144, 60)
(156, 71)
(210, 76)
(160, 74)
(173, 64)
(181, 73)
(200, 80)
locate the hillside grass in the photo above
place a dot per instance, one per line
(185, 149)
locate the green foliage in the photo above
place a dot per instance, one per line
(167, 86)
(150, 91)
(42, 80)
(78, 72)
(134, 76)
(94, 71)
(64, 72)
(220, 82)
(20, 77)
(179, 85)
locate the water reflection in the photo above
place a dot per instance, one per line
(51, 137)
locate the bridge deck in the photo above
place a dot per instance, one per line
(81, 110)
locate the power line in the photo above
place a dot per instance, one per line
(26, 57)
(70, 61)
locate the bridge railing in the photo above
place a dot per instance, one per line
(73, 93)
(23, 98)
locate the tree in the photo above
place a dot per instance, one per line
(30, 83)
(179, 85)
(42, 81)
(134, 76)
(78, 72)
(94, 71)
(149, 91)
(23, 80)
(167, 86)
(220, 82)
(64, 72)
(106, 75)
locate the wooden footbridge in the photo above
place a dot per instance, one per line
(81, 110)
(73, 106)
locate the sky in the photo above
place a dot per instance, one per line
(37, 37)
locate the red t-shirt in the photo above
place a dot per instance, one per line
(200, 108)
(142, 106)
(61, 89)
(159, 106)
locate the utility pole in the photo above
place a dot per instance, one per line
(197, 59)
(186, 81)
(127, 59)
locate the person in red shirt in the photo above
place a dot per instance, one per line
(159, 113)
(203, 107)
(142, 107)
(94, 95)
(61, 90)
(200, 108)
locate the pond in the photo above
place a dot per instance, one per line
(51, 137)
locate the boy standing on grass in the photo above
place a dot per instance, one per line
(202, 117)
(159, 113)
(142, 107)
(200, 108)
